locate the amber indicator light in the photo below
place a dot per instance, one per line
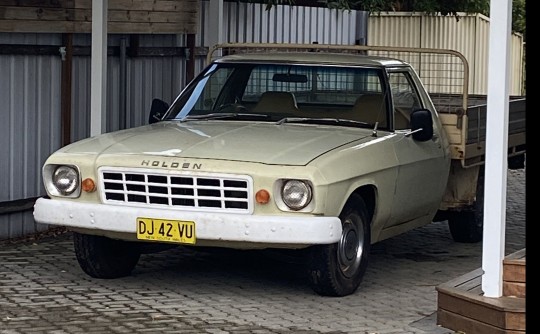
(262, 196)
(88, 185)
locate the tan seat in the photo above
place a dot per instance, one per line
(404, 103)
(276, 102)
(370, 108)
(401, 119)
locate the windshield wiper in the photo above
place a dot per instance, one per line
(324, 121)
(222, 115)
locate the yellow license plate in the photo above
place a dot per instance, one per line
(166, 230)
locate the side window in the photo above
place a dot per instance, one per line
(405, 98)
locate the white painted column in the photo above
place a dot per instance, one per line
(98, 77)
(493, 248)
(215, 24)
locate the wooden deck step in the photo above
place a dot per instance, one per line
(514, 274)
(462, 306)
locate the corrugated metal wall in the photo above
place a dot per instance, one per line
(30, 126)
(146, 78)
(518, 67)
(30, 108)
(252, 23)
(469, 35)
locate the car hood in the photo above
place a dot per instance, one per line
(267, 143)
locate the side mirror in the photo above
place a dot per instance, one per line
(421, 125)
(157, 110)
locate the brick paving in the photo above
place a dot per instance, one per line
(181, 290)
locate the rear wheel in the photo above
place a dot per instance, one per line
(102, 257)
(337, 269)
(468, 226)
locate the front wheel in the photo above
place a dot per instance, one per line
(102, 257)
(337, 269)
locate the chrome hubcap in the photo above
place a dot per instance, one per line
(350, 247)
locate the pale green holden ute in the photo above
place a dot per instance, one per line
(306, 151)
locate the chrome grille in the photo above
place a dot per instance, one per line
(203, 192)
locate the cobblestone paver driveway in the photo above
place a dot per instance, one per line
(180, 290)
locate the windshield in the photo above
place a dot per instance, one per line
(273, 92)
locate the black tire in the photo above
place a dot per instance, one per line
(337, 269)
(516, 162)
(102, 257)
(468, 226)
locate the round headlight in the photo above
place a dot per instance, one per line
(66, 180)
(296, 194)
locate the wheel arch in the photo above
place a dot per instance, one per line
(368, 193)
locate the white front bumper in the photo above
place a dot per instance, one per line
(303, 230)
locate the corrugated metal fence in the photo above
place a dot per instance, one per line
(469, 35)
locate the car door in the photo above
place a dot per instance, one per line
(423, 166)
